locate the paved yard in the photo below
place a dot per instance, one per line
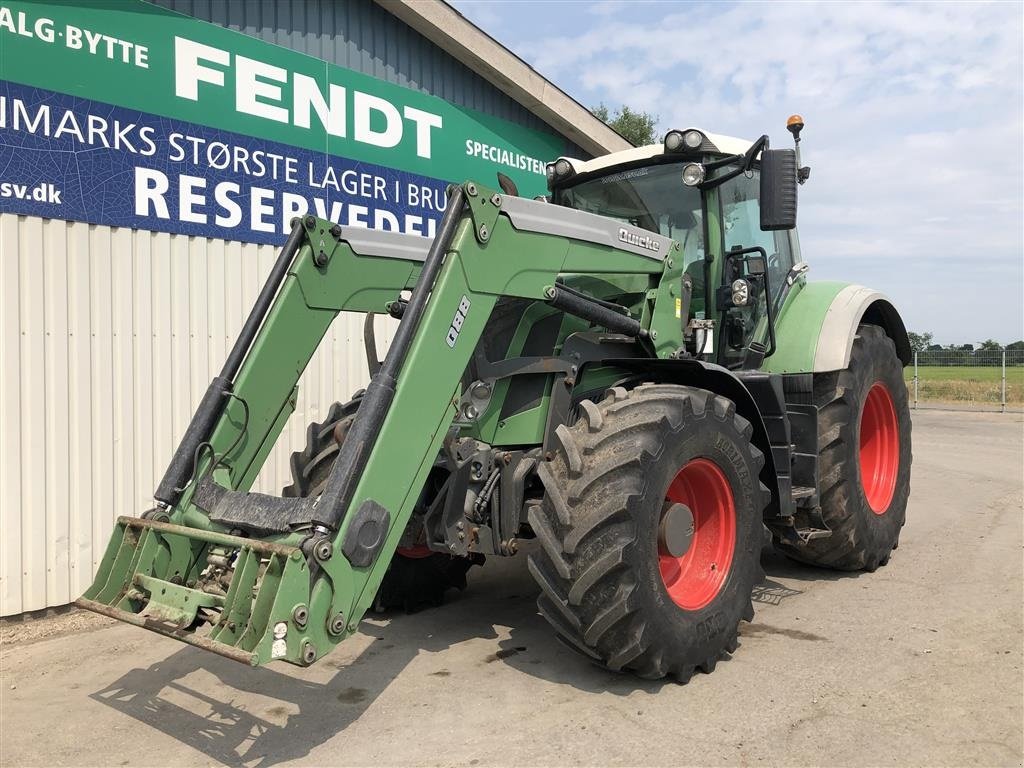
(919, 663)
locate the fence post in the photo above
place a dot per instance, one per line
(1003, 409)
(915, 381)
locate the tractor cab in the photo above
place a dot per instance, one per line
(730, 203)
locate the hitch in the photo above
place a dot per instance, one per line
(218, 592)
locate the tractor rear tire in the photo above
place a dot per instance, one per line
(613, 585)
(864, 457)
(416, 577)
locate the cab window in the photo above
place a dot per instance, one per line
(652, 198)
(741, 223)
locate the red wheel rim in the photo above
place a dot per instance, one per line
(417, 552)
(879, 448)
(696, 578)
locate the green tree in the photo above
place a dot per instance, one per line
(919, 342)
(637, 127)
(988, 352)
(1015, 353)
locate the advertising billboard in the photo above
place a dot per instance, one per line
(126, 114)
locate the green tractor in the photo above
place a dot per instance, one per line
(634, 371)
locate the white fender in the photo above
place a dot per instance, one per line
(840, 326)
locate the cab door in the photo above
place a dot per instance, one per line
(741, 229)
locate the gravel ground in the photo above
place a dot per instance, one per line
(919, 663)
(31, 629)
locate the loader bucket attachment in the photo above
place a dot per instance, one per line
(226, 594)
(260, 578)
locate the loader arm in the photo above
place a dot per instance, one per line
(258, 577)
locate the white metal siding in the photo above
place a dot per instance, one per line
(108, 339)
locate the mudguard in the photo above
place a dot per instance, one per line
(816, 326)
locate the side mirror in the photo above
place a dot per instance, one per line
(778, 189)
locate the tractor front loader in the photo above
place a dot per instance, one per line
(633, 370)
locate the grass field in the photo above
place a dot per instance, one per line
(966, 384)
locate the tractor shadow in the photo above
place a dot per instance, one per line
(778, 566)
(239, 716)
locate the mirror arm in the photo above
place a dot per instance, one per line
(748, 158)
(719, 180)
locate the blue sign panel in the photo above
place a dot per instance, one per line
(64, 157)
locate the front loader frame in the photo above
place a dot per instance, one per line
(258, 577)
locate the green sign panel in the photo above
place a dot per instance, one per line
(253, 122)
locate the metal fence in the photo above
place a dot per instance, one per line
(982, 379)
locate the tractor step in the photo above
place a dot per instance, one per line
(806, 526)
(810, 524)
(226, 594)
(802, 492)
(808, 534)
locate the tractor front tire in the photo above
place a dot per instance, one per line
(416, 577)
(311, 466)
(864, 457)
(615, 585)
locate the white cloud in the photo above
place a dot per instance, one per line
(914, 127)
(607, 7)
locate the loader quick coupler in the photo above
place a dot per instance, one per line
(183, 597)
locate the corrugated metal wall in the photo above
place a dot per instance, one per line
(108, 339)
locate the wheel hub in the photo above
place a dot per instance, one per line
(415, 552)
(675, 534)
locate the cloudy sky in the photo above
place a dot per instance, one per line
(914, 126)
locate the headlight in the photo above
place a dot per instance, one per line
(693, 139)
(681, 141)
(549, 171)
(562, 168)
(740, 293)
(693, 174)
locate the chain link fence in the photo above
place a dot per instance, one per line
(982, 379)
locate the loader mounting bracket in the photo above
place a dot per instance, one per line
(483, 210)
(322, 240)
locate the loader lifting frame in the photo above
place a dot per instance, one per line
(258, 578)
